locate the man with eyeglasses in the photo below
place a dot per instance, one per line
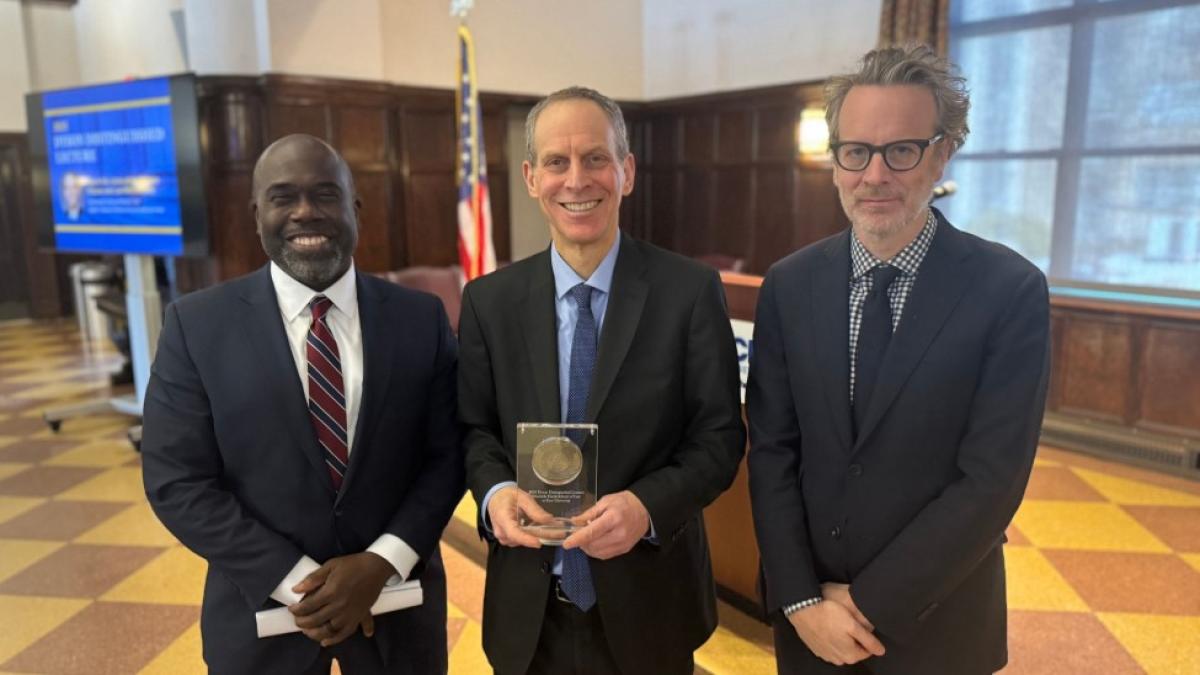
(895, 399)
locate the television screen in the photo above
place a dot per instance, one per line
(117, 168)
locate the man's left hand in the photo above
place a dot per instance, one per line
(338, 596)
(840, 593)
(611, 527)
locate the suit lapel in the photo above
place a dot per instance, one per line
(621, 318)
(943, 277)
(263, 325)
(831, 330)
(378, 351)
(538, 317)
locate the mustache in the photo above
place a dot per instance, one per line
(875, 194)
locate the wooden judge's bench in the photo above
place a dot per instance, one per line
(1122, 386)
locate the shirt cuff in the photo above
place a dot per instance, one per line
(483, 512)
(283, 592)
(401, 556)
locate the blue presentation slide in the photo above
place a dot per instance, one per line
(113, 182)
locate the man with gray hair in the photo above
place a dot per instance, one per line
(895, 399)
(598, 328)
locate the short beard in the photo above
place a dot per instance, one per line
(869, 225)
(318, 271)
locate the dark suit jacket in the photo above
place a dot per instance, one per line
(912, 511)
(233, 469)
(665, 394)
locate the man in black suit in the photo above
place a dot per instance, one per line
(300, 436)
(599, 328)
(895, 399)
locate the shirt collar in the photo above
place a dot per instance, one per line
(294, 297)
(566, 278)
(908, 260)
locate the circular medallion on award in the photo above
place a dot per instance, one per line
(557, 460)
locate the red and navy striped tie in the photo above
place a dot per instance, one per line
(326, 392)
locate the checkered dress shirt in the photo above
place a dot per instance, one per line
(861, 262)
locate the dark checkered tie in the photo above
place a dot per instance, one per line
(874, 334)
(576, 573)
(326, 392)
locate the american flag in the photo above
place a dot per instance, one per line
(476, 253)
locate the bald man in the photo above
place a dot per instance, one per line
(300, 436)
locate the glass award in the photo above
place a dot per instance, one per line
(556, 465)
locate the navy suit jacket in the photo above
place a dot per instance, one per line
(911, 512)
(665, 395)
(233, 469)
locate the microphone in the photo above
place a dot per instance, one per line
(944, 190)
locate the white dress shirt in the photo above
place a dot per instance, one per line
(294, 300)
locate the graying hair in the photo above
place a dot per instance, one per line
(609, 106)
(913, 64)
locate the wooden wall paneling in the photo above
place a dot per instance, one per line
(735, 136)
(363, 135)
(374, 252)
(285, 118)
(501, 234)
(776, 132)
(699, 138)
(819, 213)
(433, 231)
(661, 194)
(1097, 360)
(1167, 364)
(695, 221)
(663, 143)
(774, 221)
(1057, 328)
(733, 211)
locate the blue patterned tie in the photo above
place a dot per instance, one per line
(576, 575)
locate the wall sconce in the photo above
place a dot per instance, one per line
(812, 135)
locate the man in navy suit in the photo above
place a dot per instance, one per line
(895, 398)
(301, 436)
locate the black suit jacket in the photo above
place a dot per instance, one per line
(233, 469)
(665, 394)
(911, 512)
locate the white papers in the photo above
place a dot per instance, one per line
(279, 621)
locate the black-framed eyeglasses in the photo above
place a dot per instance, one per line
(903, 155)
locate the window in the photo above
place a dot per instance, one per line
(1084, 153)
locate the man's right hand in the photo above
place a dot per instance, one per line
(834, 635)
(505, 511)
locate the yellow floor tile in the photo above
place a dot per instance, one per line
(467, 656)
(1034, 583)
(11, 507)
(115, 485)
(1128, 491)
(7, 440)
(12, 468)
(17, 554)
(1161, 644)
(36, 364)
(726, 653)
(181, 657)
(453, 612)
(43, 376)
(1192, 559)
(25, 619)
(97, 454)
(1046, 462)
(1084, 525)
(62, 390)
(135, 526)
(174, 578)
(466, 511)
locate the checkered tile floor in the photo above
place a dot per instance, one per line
(1104, 560)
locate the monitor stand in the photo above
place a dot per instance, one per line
(143, 308)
